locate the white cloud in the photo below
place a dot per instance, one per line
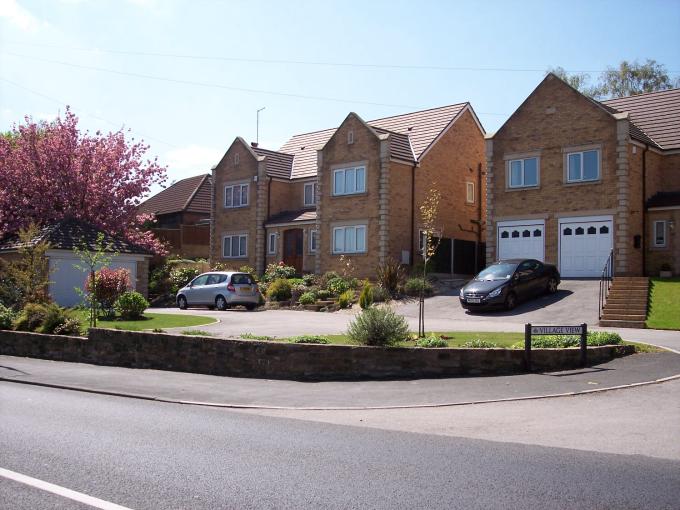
(20, 17)
(190, 160)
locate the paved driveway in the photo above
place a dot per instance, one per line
(574, 303)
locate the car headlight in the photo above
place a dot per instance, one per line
(496, 292)
(462, 293)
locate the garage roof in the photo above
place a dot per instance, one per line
(70, 233)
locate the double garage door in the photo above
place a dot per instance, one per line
(584, 243)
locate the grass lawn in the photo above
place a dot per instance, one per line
(664, 304)
(150, 321)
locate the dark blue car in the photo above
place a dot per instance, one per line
(507, 282)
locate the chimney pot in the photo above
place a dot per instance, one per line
(254, 144)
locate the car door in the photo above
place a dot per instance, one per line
(195, 293)
(526, 279)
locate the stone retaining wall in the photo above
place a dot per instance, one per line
(276, 360)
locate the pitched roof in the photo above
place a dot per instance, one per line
(279, 164)
(664, 199)
(655, 117)
(411, 134)
(292, 216)
(188, 195)
(70, 233)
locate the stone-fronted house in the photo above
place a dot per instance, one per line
(571, 180)
(355, 191)
(182, 212)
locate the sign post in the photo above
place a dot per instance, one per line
(584, 344)
(527, 347)
(581, 331)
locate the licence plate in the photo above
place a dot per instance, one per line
(474, 300)
(243, 290)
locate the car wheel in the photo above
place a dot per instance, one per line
(250, 307)
(182, 303)
(221, 303)
(510, 301)
(552, 286)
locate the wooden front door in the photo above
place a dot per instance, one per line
(292, 248)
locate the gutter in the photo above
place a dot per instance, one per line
(264, 223)
(643, 242)
(413, 212)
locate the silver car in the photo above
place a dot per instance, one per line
(220, 290)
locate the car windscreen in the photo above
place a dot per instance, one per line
(241, 279)
(497, 272)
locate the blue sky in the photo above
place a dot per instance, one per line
(95, 56)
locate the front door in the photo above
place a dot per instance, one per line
(292, 248)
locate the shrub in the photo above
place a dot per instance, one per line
(480, 344)
(322, 294)
(380, 295)
(159, 281)
(131, 305)
(308, 298)
(390, 276)
(378, 326)
(296, 281)
(326, 277)
(414, 286)
(196, 332)
(430, 341)
(310, 280)
(277, 272)
(310, 339)
(279, 290)
(250, 336)
(594, 339)
(337, 286)
(345, 299)
(6, 317)
(366, 297)
(31, 317)
(180, 276)
(71, 326)
(56, 318)
(264, 287)
(247, 269)
(109, 285)
(296, 290)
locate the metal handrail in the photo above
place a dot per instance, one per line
(605, 283)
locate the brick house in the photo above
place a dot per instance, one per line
(570, 179)
(354, 191)
(182, 212)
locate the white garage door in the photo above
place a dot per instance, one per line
(584, 246)
(521, 241)
(65, 277)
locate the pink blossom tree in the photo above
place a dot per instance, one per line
(51, 170)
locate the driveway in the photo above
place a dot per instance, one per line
(574, 303)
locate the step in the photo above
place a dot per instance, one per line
(637, 286)
(631, 279)
(628, 303)
(624, 294)
(609, 316)
(622, 324)
(624, 310)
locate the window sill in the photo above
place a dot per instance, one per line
(240, 257)
(522, 188)
(581, 183)
(349, 254)
(350, 195)
(236, 207)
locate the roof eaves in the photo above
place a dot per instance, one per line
(195, 192)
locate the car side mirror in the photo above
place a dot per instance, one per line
(515, 277)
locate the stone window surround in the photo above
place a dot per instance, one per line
(231, 184)
(272, 247)
(348, 165)
(469, 185)
(665, 235)
(508, 158)
(235, 234)
(348, 223)
(312, 248)
(581, 148)
(314, 186)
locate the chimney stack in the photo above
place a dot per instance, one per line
(254, 144)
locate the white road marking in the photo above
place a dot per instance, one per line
(61, 491)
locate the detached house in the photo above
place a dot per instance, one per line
(572, 180)
(355, 191)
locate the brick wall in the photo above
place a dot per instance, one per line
(277, 360)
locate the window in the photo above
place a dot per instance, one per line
(523, 173)
(236, 158)
(313, 241)
(350, 137)
(235, 246)
(271, 243)
(236, 195)
(470, 192)
(659, 234)
(583, 166)
(241, 279)
(349, 239)
(310, 193)
(348, 181)
(201, 280)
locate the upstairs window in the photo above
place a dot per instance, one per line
(470, 192)
(310, 194)
(236, 195)
(583, 166)
(234, 247)
(351, 239)
(523, 173)
(349, 181)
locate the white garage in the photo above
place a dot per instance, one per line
(521, 239)
(66, 276)
(585, 245)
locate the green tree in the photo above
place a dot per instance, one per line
(90, 260)
(580, 81)
(430, 239)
